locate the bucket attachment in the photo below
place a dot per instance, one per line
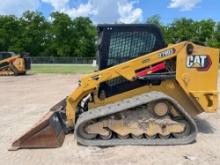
(47, 133)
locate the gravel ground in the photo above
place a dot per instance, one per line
(23, 100)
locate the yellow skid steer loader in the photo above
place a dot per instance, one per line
(144, 93)
(12, 64)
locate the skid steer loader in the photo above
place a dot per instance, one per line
(144, 93)
(12, 64)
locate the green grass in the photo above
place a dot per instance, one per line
(62, 68)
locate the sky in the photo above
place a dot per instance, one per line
(111, 11)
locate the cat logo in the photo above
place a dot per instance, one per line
(201, 62)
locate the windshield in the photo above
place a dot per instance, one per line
(4, 55)
(128, 45)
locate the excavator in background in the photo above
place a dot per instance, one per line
(13, 64)
(144, 93)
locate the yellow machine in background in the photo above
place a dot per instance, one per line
(12, 64)
(145, 93)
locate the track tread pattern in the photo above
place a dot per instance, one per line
(131, 103)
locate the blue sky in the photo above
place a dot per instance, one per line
(126, 11)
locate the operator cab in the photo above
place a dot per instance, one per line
(118, 43)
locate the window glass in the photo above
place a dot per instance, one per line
(4, 55)
(128, 45)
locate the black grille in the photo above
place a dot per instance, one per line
(128, 45)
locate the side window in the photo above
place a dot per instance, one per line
(4, 56)
(128, 45)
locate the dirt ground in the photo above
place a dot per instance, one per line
(23, 100)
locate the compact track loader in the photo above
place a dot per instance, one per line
(12, 64)
(144, 93)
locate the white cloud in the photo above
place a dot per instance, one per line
(57, 4)
(84, 10)
(184, 5)
(17, 7)
(63, 6)
(128, 14)
(101, 11)
(106, 11)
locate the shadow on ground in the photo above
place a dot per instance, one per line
(204, 126)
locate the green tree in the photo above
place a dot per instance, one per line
(33, 37)
(204, 31)
(9, 31)
(181, 30)
(215, 40)
(85, 32)
(63, 35)
(155, 19)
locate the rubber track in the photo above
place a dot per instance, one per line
(127, 104)
(12, 72)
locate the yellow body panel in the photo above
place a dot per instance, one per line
(188, 89)
(169, 87)
(19, 63)
(10, 59)
(202, 86)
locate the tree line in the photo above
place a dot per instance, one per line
(59, 36)
(204, 32)
(62, 36)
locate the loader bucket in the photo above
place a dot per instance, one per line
(47, 133)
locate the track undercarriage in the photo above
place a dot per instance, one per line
(149, 119)
(8, 70)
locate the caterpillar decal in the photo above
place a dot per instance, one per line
(201, 62)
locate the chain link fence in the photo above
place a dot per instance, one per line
(62, 60)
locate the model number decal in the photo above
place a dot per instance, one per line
(167, 53)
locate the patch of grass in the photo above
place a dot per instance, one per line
(62, 68)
